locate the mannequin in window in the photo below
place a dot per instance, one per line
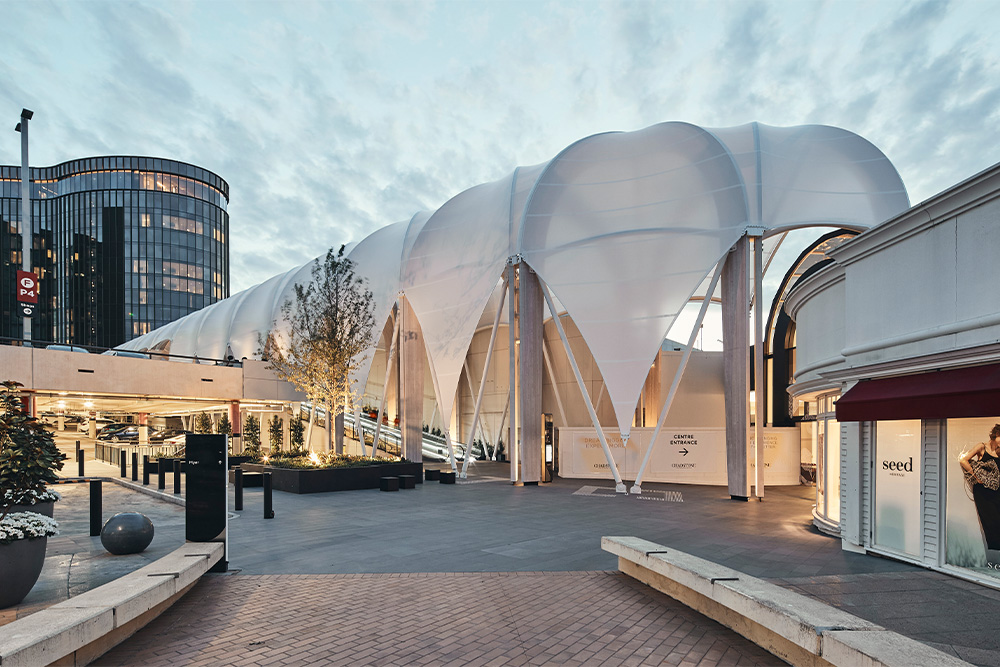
(980, 464)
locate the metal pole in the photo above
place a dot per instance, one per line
(177, 475)
(145, 469)
(123, 462)
(637, 487)
(385, 386)
(758, 366)
(552, 379)
(268, 504)
(238, 483)
(482, 384)
(135, 466)
(619, 484)
(161, 473)
(26, 228)
(79, 462)
(96, 518)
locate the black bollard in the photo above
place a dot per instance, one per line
(135, 467)
(96, 514)
(268, 510)
(79, 463)
(177, 475)
(145, 469)
(123, 460)
(238, 481)
(161, 472)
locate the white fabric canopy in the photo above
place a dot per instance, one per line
(450, 273)
(623, 227)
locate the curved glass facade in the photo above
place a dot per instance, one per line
(121, 245)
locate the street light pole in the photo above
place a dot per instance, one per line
(26, 229)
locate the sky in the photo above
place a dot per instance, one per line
(332, 119)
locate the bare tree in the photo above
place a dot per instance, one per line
(330, 331)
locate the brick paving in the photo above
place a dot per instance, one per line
(475, 619)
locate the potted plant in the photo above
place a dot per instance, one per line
(29, 460)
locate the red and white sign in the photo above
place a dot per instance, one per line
(27, 287)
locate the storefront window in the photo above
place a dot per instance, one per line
(826, 448)
(897, 486)
(972, 530)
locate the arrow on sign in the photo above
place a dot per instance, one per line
(684, 451)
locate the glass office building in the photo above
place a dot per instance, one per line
(121, 245)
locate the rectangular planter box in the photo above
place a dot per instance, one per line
(334, 479)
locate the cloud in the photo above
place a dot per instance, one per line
(330, 120)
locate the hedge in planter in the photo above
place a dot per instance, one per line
(318, 474)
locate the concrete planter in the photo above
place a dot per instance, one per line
(20, 564)
(41, 508)
(320, 480)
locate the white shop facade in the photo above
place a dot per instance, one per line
(898, 355)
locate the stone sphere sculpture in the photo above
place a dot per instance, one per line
(127, 533)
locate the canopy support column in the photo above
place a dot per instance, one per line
(619, 485)
(512, 391)
(637, 487)
(411, 376)
(482, 384)
(530, 374)
(736, 350)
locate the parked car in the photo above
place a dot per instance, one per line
(162, 435)
(125, 353)
(84, 426)
(67, 348)
(128, 434)
(109, 430)
(179, 439)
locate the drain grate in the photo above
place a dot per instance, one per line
(609, 492)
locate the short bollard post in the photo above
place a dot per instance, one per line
(145, 469)
(122, 460)
(177, 475)
(95, 507)
(238, 482)
(161, 473)
(79, 463)
(135, 467)
(268, 510)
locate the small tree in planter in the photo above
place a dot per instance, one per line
(275, 434)
(296, 434)
(202, 423)
(224, 427)
(251, 436)
(29, 460)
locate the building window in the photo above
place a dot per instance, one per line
(972, 510)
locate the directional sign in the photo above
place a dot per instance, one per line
(27, 287)
(27, 309)
(683, 451)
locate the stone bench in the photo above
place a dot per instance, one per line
(407, 481)
(388, 483)
(88, 625)
(797, 629)
(447, 477)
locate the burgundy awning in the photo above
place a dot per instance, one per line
(963, 392)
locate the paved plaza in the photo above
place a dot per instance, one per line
(483, 572)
